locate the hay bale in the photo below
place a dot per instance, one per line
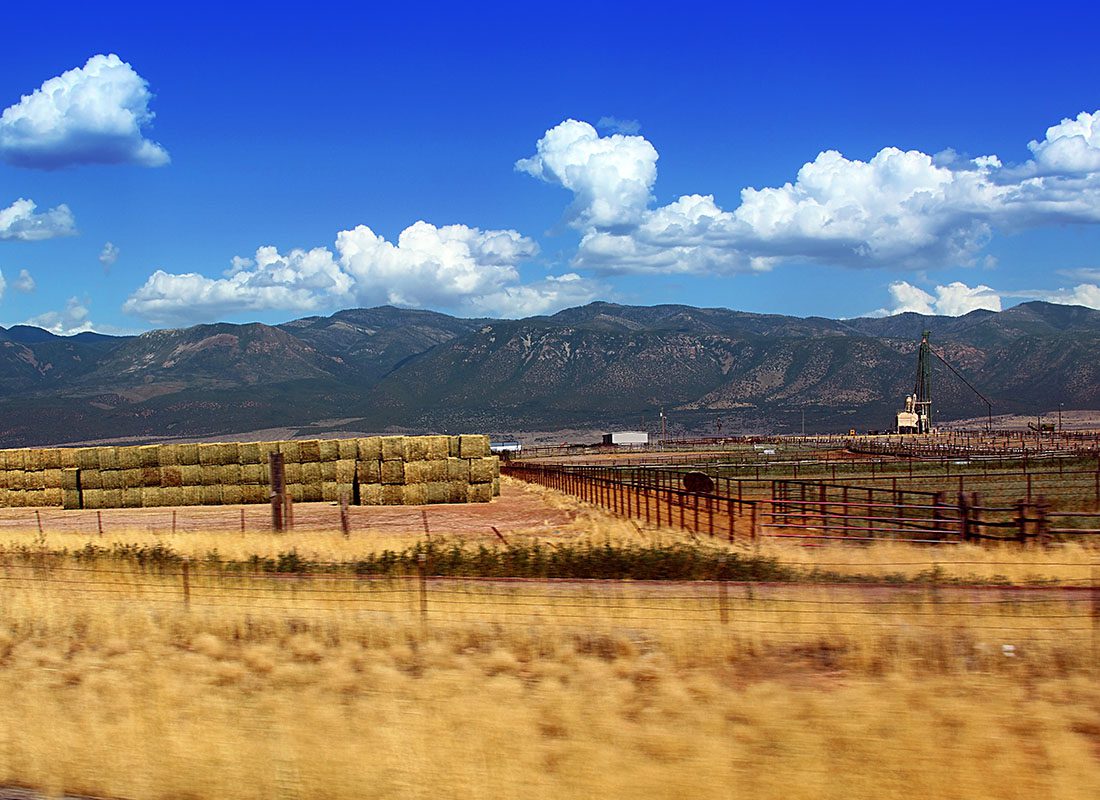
(70, 499)
(53, 497)
(292, 472)
(436, 471)
(329, 449)
(266, 449)
(369, 471)
(416, 449)
(310, 450)
(496, 487)
(297, 492)
(458, 470)
(211, 495)
(311, 472)
(393, 495)
(171, 496)
(452, 447)
(171, 476)
(51, 459)
(414, 472)
(393, 473)
(33, 498)
(128, 458)
(253, 475)
(191, 475)
(150, 477)
(70, 479)
(483, 470)
(393, 448)
(345, 471)
(91, 479)
(3, 460)
(51, 478)
(232, 495)
(473, 446)
(328, 471)
(248, 453)
(93, 498)
(211, 476)
(190, 495)
(113, 498)
(6, 477)
(132, 478)
(230, 475)
(86, 458)
(436, 448)
(112, 478)
(414, 495)
(149, 455)
(456, 491)
(35, 460)
(369, 448)
(292, 452)
(208, 454)
(479, 493)
(330, 491)
(5, 497)
(347, 449)
(129, 497)
(107, 458)
(152, 497)
(226, 453)
(187, 455)
(68, 457)
(437, 492)
(370, 494)
(252, 493)
(168, 455)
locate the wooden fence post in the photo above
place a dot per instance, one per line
(422, 572)
(345, 521)
(186, 582)
(277, 477)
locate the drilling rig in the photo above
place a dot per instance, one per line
(917, 416)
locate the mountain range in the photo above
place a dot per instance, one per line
(599, 365)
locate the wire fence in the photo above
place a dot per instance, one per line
(790, 611)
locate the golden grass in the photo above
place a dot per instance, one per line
(274, 688)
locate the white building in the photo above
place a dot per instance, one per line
(626, 438)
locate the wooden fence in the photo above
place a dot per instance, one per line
(806, 509)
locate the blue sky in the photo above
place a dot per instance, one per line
(484, 160)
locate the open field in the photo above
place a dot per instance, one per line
(852, 671)
(264, 688)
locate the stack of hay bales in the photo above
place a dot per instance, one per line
(30, 478)
(376, 470)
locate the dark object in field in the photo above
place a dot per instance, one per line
(698, 483)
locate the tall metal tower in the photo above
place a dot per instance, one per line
(922, 391)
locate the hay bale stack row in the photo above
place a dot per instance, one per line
(376, 470)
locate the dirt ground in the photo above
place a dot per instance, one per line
(517, 509)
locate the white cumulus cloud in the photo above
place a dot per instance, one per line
(21, 222)
(93, 114)
(611, 177)
(901, 208)
(74, 318)
(952, 300)
(24, 283)
(108, 255)
(453, 266)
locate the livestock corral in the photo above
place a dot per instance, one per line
(806, 616)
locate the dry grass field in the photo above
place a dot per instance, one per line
(336, 686)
